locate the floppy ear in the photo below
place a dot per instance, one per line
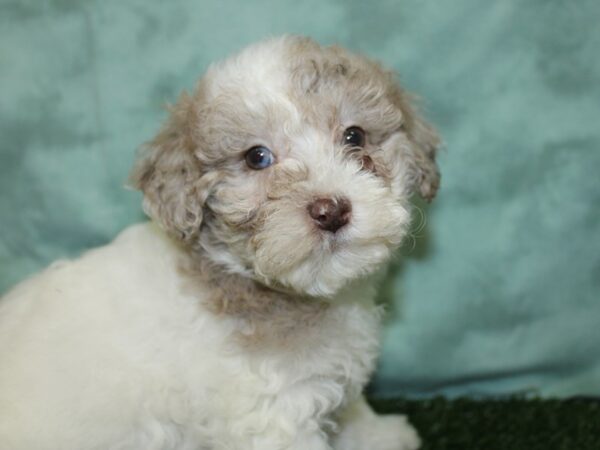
(425, 142)
(170, 175)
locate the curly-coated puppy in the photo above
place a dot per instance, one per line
(243, 318)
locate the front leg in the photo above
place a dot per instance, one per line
(272, 430)
(274, 441)
(362, 429)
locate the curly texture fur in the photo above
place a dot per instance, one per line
(236, 323)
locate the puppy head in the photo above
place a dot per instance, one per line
(292, 164)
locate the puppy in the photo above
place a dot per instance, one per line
(242, 317)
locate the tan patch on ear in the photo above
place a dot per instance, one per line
(429, 185)
(425, 142)
(171, 177)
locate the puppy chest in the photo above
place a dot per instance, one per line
(315, 367)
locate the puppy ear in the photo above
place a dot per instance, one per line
(170, 176)
(425, 142)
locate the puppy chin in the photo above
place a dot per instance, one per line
(326, 275)
(321, 264)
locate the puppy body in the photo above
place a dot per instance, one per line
(238, 320)
(137, 363)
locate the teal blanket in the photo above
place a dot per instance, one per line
(498, 292)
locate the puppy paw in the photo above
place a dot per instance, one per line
(390, 432)
(393, 432)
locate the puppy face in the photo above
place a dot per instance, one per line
(291, 164)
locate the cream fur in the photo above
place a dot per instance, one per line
(233, 322)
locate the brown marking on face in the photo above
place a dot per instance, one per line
(353, 85)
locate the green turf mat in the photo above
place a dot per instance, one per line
(502, 424)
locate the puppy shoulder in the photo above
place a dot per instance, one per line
(136, 267)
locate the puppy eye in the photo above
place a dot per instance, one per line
(354, 137)
(259, 157)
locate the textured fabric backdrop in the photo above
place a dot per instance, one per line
(499, 292)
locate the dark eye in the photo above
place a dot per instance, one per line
(259, 157)
(354, 137)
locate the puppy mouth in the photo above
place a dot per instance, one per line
(332, 242)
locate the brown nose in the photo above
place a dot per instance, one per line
(330, 214)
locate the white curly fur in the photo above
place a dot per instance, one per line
(233, 322)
